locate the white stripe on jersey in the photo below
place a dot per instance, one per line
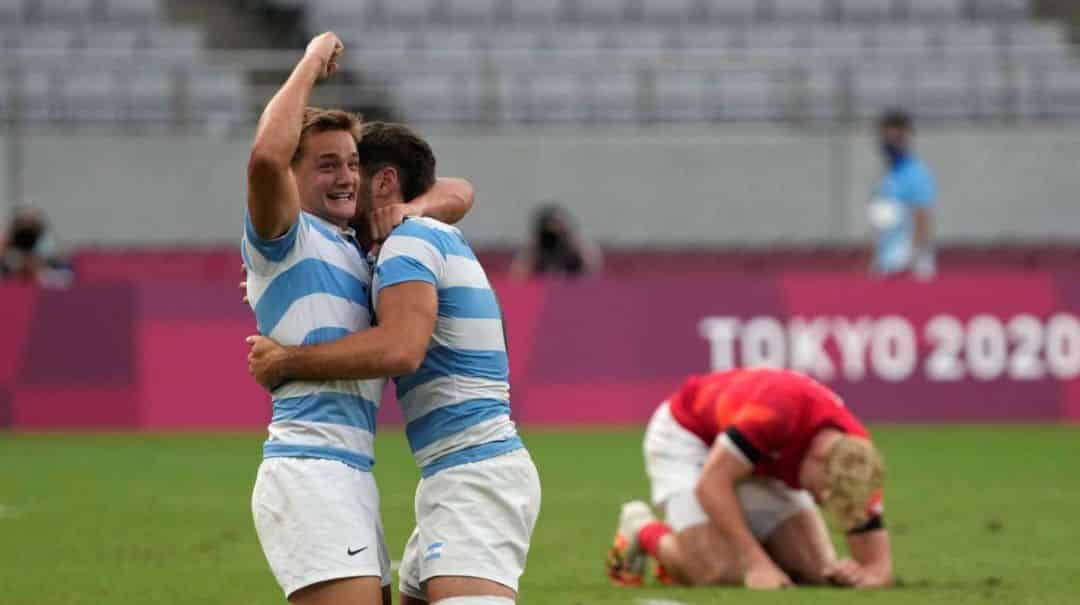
(451, 390)
(469, 334)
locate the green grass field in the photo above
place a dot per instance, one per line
(978, 515)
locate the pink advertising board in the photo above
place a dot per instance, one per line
(977, 347)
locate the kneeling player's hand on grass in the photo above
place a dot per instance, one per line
(383, 220)
(847, 573)
(766, 577)
(264, 361)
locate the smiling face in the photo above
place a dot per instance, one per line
(328, 175)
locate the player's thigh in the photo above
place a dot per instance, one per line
(447, 587)
(800, 545)
(318, 521)
(705, 557)
(475, 521)
(673, 457)
(360, 591)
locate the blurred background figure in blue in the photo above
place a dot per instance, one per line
(901, 211)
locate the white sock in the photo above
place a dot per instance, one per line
(475, 601)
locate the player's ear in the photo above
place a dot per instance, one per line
(388, 184)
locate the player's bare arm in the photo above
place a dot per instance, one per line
(273, 198)
(396, 346)
(716, 493)
(870, 565)
(449, 200)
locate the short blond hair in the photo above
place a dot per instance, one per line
(854, 474)
(317, 119)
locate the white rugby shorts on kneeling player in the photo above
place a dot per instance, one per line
(473, 520)
(318, 520)
(674, 458)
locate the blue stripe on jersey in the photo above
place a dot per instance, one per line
(327, 232)
(475, 453)
(309, 276)
(445, 361)
(247, 258)
(401, 269)
(273, 449)
(321, 335)
(469, 303)
(451, 420)
(273, 249)
(448, 243)
(331, 408)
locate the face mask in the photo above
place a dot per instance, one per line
(549, 239)
(892, 152)
(25, 238)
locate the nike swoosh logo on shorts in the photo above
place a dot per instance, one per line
(355, 552)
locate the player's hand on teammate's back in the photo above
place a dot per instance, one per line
(243, 284)
(766, 577)
(327, 48)
(264, 361)
(383, 220)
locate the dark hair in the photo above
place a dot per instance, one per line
(383, 144)
(317, 119)
(896, 118)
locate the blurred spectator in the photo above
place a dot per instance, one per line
(556, 247)
(903, 202)
(28, 251)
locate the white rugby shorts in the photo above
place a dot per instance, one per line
(473, 520)
(674, 458)
(318, 520)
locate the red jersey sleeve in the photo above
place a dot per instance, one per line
(759, 428)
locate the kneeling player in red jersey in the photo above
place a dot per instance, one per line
(736, 461)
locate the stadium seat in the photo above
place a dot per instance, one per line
(474, 12)
(613, 97)
(218, 94)
(779, 42)
(636, 39)
(680, 96)
(745, 96)
(557, 98)
(63, 11)
(874, 89)
(838, 44)
(519, 40)
(52, 39)
(39, 100)
(150, 97)
(990, 92)
(1045, 43)
(600, 11)
(1005, 10)
(1061, 88)
(1024, 93)
(411, 12)
(547, 12)
(865, 10)
(11, 12)
(181, 44)
(731, 11)
(668, 11)
(137, 11)
(820, 96)
(437, 97)
(92, 95)
(713, 38)
(118, 43)
(968, 42)
(334, 15)
(801, 11)
(586, 42)
(934, 11)
(943, 93)
(900, 43)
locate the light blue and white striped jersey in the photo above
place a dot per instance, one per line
(310, 286)
(457, 404)
(906, 186)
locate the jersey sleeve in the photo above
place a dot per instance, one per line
(260, 254)
(413, 252)
(919, 188)
(757, 429)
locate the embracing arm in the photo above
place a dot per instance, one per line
(395, 347)
(448, 201)
(273, 200)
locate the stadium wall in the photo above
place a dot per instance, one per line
(675, 186)
(992, 346)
